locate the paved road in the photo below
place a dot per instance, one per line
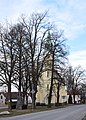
(69, 113)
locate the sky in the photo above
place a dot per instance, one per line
(68, 15)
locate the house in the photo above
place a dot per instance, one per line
(14, 96)
(77, 94)
(44, 86)
(4, 97)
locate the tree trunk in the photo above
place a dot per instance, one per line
(23, 99)
(33, 97)
(27, 86)
(9, 97)
(19, 102)
(51, 86)
(27, 100)
(58, 95)
(70, 99)
(74, 95)
(33, 85)
(74, 98)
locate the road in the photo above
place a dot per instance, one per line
(76, 112)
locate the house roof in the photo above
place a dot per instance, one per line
(13, 94)
(71, 92)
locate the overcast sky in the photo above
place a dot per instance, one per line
(68, 15)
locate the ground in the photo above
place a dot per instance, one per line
(75, 112)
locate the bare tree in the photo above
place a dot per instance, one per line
(23, 55)
(74, 78)
(26, 82)
(36, 29)
(56, 47)
(19, 35)
(7, 60)
(59, 81)
(83, 92)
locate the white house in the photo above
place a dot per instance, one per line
(2, 98)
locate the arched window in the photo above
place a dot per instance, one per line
(48, 73)
(1, 97)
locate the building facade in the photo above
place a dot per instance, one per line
(44, 86)
(2, 98)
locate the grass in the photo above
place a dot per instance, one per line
(3, 109)
(16, 112)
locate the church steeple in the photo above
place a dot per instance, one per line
(48, 42)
